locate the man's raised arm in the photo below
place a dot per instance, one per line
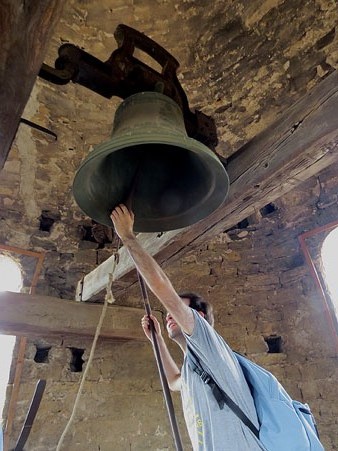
(149, 269)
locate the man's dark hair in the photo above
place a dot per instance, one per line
(199, 304)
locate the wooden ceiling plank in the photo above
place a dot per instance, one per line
(26, 29)
(33, 315)
(300, 144)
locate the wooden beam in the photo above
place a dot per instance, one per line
(300, 144)
(42, 316)
(96, 280)
(26, 28)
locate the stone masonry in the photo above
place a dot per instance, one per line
(243, 63)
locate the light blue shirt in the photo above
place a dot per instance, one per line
(211, 428)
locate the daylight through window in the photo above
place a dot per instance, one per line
(330, 265)
(10, 280)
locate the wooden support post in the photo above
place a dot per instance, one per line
(26, 28)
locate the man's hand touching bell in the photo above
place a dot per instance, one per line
(123, 221)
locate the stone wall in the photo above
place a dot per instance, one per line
(121, 407)
(263, 294)
(243, 63)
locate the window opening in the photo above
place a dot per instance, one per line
(268, 209)
(11, 277)
(46, 221)
(274, 343)
(76, 361)
(10, 280)
(41, 355)
(29, 260)
(311, 244)
(96, 233)
(330, 263)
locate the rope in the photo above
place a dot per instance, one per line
(109, 299)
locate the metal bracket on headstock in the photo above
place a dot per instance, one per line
(123, 75)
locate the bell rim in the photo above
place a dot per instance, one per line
(104, 149)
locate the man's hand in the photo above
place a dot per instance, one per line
(171, 369)
(123, 221)
(146, 326)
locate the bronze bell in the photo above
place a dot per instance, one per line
(172, 180)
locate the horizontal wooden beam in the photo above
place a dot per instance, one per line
(43, 316)
(98, 279)
(26, 28)
(300, 144)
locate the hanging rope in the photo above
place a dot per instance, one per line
(163, 377)
(109, 299)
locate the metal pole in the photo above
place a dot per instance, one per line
(164, 382)
(163, 378)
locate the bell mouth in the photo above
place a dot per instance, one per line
(177, 182)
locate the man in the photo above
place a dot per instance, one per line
(190, 325)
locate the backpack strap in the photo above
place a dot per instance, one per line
(220, 395)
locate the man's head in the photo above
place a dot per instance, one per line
(197, 303)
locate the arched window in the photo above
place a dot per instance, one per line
(11, 277)
(10, 280)
(329, 256)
